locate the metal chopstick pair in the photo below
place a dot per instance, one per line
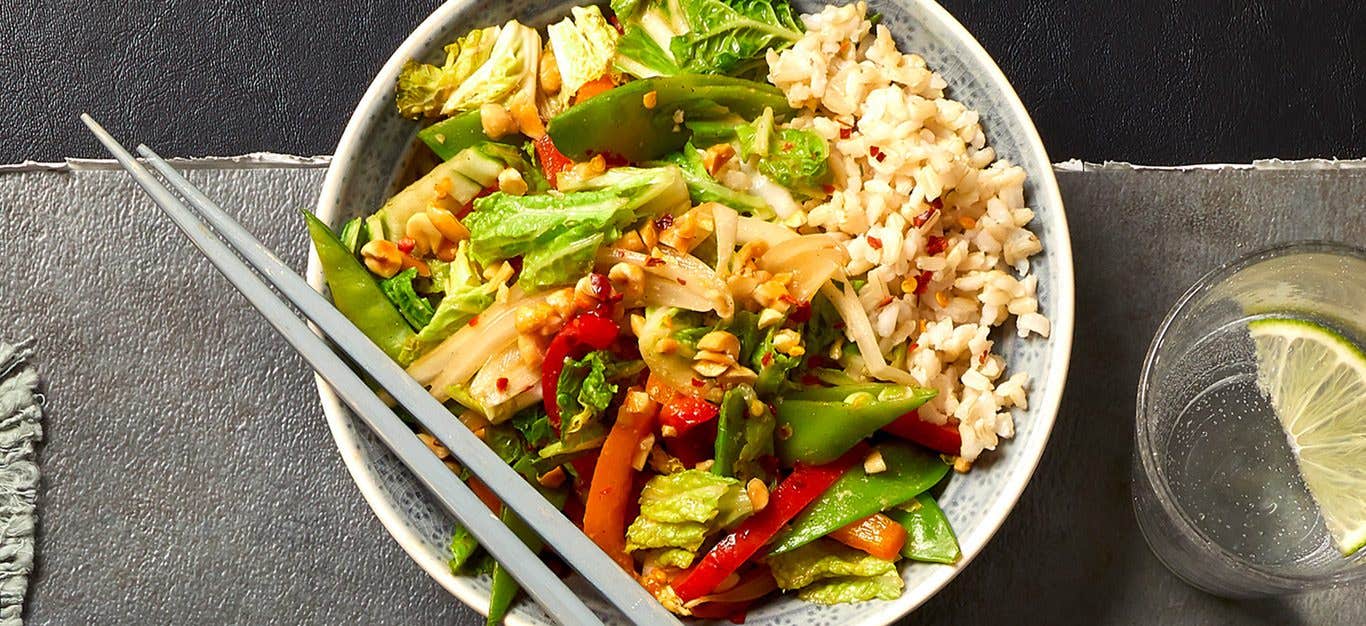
(569, 542)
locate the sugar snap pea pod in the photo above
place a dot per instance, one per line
(618, 122)
(858, 494)
(449, 136)
(816, 426)
(929, 537)
(356, 294)
(729, 431)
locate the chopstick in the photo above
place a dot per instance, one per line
(569, 542)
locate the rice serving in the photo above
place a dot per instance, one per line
(933, 221)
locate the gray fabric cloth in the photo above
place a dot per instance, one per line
(20, 432)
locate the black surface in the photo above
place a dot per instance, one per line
(1149, 82)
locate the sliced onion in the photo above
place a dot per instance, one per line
(726, 221)
(777, 196)
(857, 324)
(754, 229)
(518, 378)
(455, 360)
(687, 272)
(748, 590)
(812, 260)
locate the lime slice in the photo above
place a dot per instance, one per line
(1316, 379)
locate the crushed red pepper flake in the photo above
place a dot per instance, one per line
(935, 245)
(653, 262)
(874, 242)
(923, 218)
(845, 132)
(874, 152)
(922, 281)
(664, 221)
(474, 321)
(501, 384)
(406, 244)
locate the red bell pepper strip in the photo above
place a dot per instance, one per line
(583, 334)
(938, 437)
(803, 485)
(551, 159)
(682, 413)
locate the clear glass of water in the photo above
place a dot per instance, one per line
(1216, 489)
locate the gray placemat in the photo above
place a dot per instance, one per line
(189, 477)
(20, 431)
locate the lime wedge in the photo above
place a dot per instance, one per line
(1316, 380)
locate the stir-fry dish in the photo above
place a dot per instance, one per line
(718, 278)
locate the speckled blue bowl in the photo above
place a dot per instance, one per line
(377, 142)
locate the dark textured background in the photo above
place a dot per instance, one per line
(1158, 82)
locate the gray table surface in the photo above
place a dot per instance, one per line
(188, 475)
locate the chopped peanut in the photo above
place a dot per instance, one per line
(650, 99)
(758, 494)
(738, 375)
(553, 478)
(510, 182)
(720, 341)
(538, 319)
(667, 345)
(874, 463)
(716, 157)
(967, 222)
(435, 446)
(942, 298)
(496, 120)
(709, 369)
(549, 73)
(562, 300)
(382, 257)
(788, 342)
(689, 229)
(961, 465)
(447, 224)
(420, 229)
(530, 350)
(637, 324)
(628, 280)
(643, 452)
(770, 317)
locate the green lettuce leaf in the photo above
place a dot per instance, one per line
(731, 36)
(584, 47)
(680, 510)
(703, 188)
(558, 235)
(854, 589)
(583, 392)
(508, 76)
(399, 288)
(671, 557)
(649, 28)
(466, 295)
(796, 159)
(824, 559)
(423, 89)
(534, 425)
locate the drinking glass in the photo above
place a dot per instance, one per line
(1215, 486)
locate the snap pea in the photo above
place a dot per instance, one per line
(728, 431)
(618, 122)
(503, 590)
(742, 437)
(858, 494)
(817, 425)
(356, 294)
(449, 136)
(350, 235)
(929, 537)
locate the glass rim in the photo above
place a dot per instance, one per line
(1156, 476)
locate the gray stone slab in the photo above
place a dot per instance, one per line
(189, 476)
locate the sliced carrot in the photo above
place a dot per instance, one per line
(486, 495)
(609, 494)
(593, 88)
(877, 534)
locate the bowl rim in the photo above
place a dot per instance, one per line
(1060, 337)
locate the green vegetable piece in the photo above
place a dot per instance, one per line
(886, 586)
(448, 137)
(350, 235)
(671, 557)
(463, 548)
(858, 494)
(503, 588)
(703, 188)
(796, 159)
(729, 424)
(466, 295)
(558, 235)
(423, 89)
(680, 510)
(399, 289)
(816, 426)
(534, 425)
(583, 392)
(825, 559)
(584, 47)
(731, 36)
(356, 294)
(929, 537)
(617, 121)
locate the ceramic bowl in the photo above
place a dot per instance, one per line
(374, 149)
